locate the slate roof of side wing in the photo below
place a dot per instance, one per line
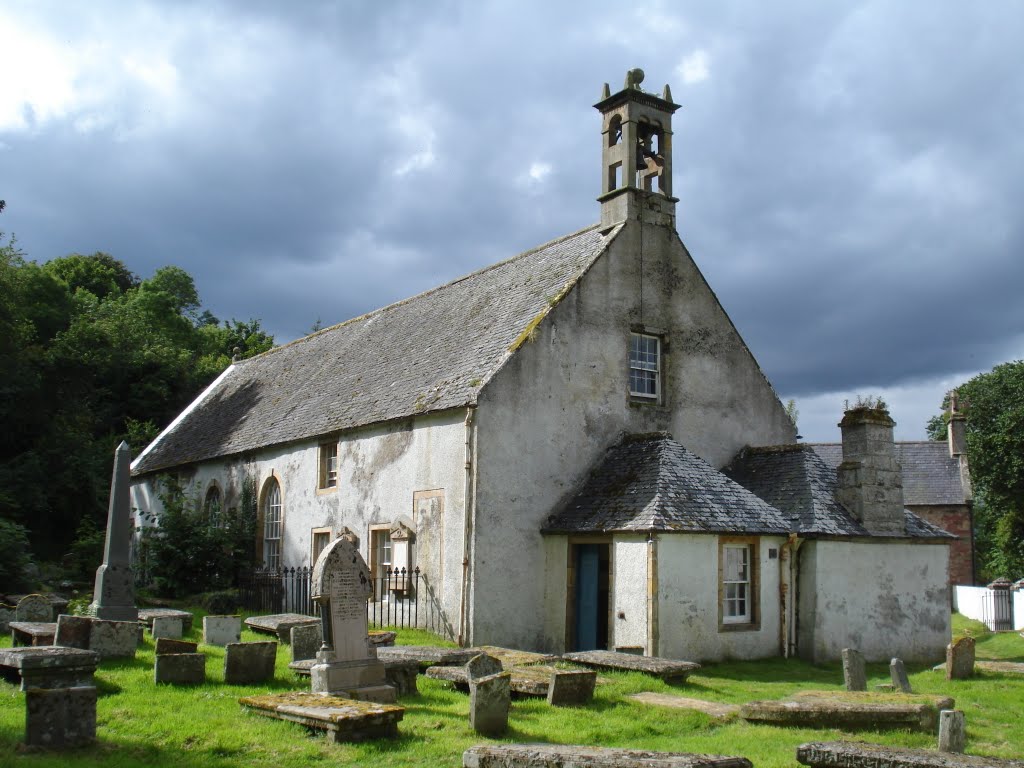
(795, 479)
(428, 353)
(930, 474)
(652, 483)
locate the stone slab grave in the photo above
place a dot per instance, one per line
(668, 670)
(846, 754)
(221, 630)
(166, 645)
(73, 631)
(114, 639)
(1003, 667)
(60, 718)
(571, 686)
(146, 616)
(513, 657)
(427, 655)
(343, 719)
(50, 666)
(34, 608)
(568, 756)
(32, 633)
(851, 709)
(713, 709)
(180, 668)
(114, 589)
(280, 624)
(246, 663)
(347, 663)
(400, 673)
(960, 659)
(167, 626)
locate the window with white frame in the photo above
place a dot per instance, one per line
(644, 366)
(329, 465)
(272, 519)
(380, 561)
(737, 572)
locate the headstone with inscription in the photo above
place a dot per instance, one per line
(854, 675)
(34, 608)
(347, 663)
(114, 592)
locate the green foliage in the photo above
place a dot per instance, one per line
(185, 554)
(221, 602)
(93, 355)
(791, 411)
(86, 550)
(14, 557)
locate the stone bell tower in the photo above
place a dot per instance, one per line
(636, 154)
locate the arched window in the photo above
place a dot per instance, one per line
(272, 524)
(212, 507)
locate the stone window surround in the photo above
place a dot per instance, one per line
(273, 477)
(214, 491)
(661, 336)
(327, 482)
(754, 607)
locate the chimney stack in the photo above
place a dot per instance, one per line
(955, 434)
(870, 477)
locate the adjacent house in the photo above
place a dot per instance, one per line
(578, 450)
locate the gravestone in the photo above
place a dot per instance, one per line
(347, 663)
(489, 700)
(246, 663)
(306, 640)
(58, 718)
(165, 645)
(221, 630)
(898, 673)
(854, 676)
(114, 639)
(114, 591)
(180, 668)
(482, 665)
(167, 626)
(34, 608)
(952, 731)
(960, 659)
(570, 688)
(73, 631)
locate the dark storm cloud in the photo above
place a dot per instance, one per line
(848, 178)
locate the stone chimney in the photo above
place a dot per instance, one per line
(955, 434)
(870, 477)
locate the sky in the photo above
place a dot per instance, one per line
(850, 175)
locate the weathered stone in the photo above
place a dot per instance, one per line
(711, 708)
(60, 718)
(114, 639)
(1002, 667)
(513, 657)
(280, 624)
(854, 676)
(221, 630)
(306, 640)
(960, 659)
(167, 626)
(844, 754)
(146, 615)
(246, 663)
(7, 615)
(952, 731)
(167, 645)
(347, 663)
(383, 638)
(668, 670)
(73, 631)
(180, 668)
(571, 688)
(428, 655)
(898, 673)
(853, 710)
(402, 675)
(114, 590)
(562, 756)
(482, 665)
(33, 633)
(34, 608)
(344, 719)
(489, 700)
(51, 666)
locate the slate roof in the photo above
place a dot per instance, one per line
(652, 483)
(797, 481)
(428, 353)
(930, 475)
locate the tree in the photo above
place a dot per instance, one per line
(993, 403)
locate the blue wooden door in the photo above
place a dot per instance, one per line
(587, 603)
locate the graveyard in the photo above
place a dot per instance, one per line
(139, 722)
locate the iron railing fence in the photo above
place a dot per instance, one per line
(400, 598)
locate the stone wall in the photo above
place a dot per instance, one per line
(957, 520)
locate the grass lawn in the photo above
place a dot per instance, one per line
(139, 724)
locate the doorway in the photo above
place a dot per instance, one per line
(590, 600)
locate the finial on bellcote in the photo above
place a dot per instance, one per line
(606, 92)
(667, 93)
(634, 77)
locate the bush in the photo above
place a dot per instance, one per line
(16, 563)
(223, 602)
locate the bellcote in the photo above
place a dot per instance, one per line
(636, 154)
